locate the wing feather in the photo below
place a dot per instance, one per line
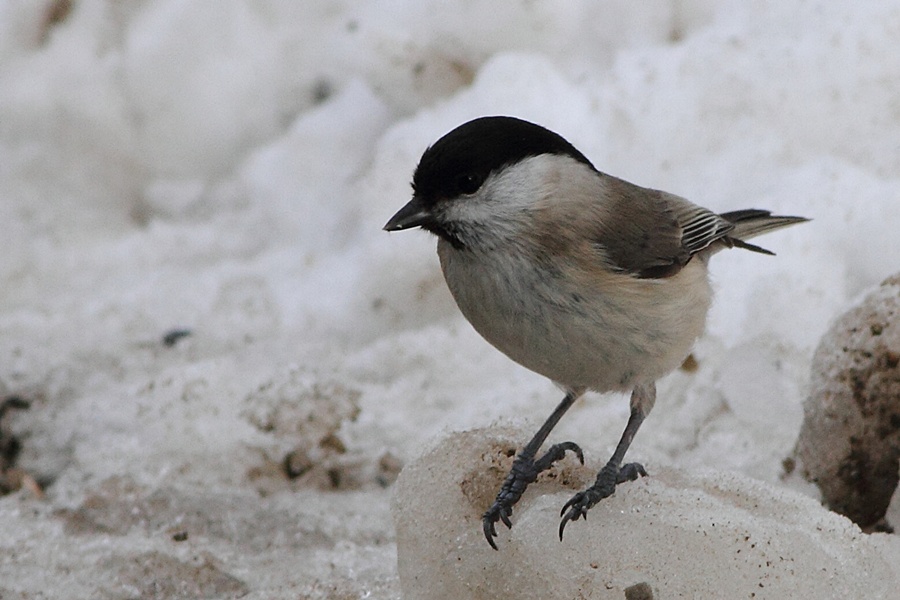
(652, 234)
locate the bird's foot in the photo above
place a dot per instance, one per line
(524, 471)
(607, 480)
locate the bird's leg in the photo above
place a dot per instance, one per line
(525, 469)
(613, 473)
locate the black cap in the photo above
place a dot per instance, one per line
(459, 162)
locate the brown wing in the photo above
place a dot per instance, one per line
(652, 234)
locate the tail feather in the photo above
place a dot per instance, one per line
(751, 222)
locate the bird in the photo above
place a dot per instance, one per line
(589, 280)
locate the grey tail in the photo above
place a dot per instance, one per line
(752, 222)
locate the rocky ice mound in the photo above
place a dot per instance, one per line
(680, 534)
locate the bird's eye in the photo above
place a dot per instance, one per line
(468, 183)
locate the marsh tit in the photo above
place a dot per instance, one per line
(594, 282)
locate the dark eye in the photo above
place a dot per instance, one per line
(468, 183)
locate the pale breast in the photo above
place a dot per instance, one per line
(606, 333)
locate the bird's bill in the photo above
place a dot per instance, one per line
(414, 214)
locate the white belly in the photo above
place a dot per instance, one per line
(599, 340)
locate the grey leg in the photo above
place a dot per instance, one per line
(613, 473)
(525, 469)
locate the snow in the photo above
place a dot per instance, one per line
(226, 168)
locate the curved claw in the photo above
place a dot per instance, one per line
(572, 447)
(576, 509)
(630, 472)
(607, 480)
(490, 532)
(525, 471)
(556, 453)
(572, 502)
(495, 513)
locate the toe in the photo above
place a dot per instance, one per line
(630, 472)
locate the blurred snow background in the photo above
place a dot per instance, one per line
(225, 168)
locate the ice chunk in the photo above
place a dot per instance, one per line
(849, 444)
(690, 535)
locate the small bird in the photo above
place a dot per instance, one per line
(591, 281)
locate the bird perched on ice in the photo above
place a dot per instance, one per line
(594, 282)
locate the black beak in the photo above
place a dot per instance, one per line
(414, 214)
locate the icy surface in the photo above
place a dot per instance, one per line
(687, 535)
(224, 169)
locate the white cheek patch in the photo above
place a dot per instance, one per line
(507, 198)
